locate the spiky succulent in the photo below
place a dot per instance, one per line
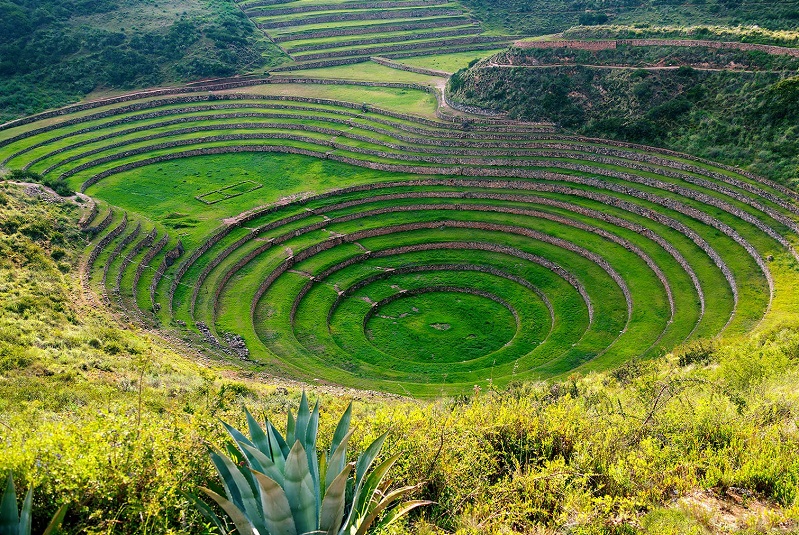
(13, 522)
(277, 485)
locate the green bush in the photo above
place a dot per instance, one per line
(696, 352)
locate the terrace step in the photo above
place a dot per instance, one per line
(394, 37)
(424, 24)
(405, 46)
(357, 16)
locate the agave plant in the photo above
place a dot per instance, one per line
(13, 522)
(277, 485)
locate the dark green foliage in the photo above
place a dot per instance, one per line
(48, 56)
(696, 352)
(589, 18)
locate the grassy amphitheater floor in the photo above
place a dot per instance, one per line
(393, 246)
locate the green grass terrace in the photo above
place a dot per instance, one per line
(380, 246)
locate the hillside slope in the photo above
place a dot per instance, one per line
(734, 106)
(57, 51)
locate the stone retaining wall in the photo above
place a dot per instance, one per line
(539, 236)
(382, 231)
(104, 241)
(569, 191)
(102, 225)
(450, 50)
(543, 215)
(599, 150)
(89, 216)
(521, 173)
(74, 108)
(170, 258)
(320, 64)
(599, 159)
(70, 109)
(605, 44)
(116, 252)
(703, 43)
(145, 262)
(147, 241)
(265, 2)
(480, 246)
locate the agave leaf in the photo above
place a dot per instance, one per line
(300, 490)
(239, 488)
(387, 500)
(342, 430)
(400, 511)
(234, 453)
(206, 511)
(303, 417)
(366, 493)
(337, 459)
(313, 428)
(254, 458)
(280, 450)
(257, 435)
(365, 460)
(261, 463)
(310, 450)
(25, 514)
(238, 436)
(323, 475)
(332, 513)
(277, 511)
(59, 515)
(291, 427)
(9, 516)
(243, 525)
